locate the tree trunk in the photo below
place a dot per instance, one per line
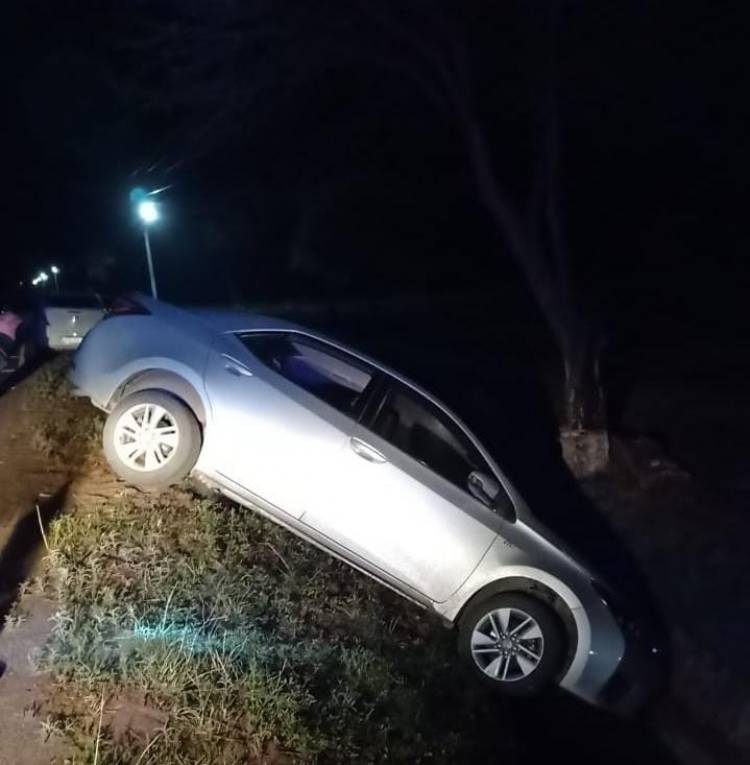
(584, 436)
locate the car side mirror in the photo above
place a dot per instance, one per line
(483, 487)
(491, 493)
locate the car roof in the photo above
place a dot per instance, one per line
(219, 320)
(228, 321)
(241, 321)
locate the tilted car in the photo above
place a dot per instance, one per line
(368, 466)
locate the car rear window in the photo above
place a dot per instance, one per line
(325, 372)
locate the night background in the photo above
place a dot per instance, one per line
(301, 165)
(365, 166)
(310, 156)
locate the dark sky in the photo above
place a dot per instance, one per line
(298, 167)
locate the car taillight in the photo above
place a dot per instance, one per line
(127, 305)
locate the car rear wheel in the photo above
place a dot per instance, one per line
(27, 352)
(152, 439)
(513, 642)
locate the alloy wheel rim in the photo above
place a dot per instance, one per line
(507, 644)
(146, 437)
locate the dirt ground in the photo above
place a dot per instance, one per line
(25, 482)
(703, 718)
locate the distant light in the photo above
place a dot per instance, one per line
(55, 270)
(43, 276)
(148, 211)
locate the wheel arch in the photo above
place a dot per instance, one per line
(542, 592)
(164, 380)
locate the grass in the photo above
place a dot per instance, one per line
(62, 425)
(242, 636)
(241, 642)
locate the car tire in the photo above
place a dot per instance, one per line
(26, 353)
(509, 658)
(152, 439)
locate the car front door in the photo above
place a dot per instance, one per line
(409, 512)
(282, 410)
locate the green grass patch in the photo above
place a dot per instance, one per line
(234, 639)
(64, 428)
(245, 639)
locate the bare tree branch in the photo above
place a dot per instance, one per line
(219, 64)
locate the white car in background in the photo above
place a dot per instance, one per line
(68, 316)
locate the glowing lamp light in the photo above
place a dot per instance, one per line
(148, 212)
(55, 270)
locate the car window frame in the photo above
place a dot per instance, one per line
(331, 349)
(389, 383)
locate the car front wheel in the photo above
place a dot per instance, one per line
(151, 439)
(513, 642)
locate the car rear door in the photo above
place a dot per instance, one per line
(403, 503)
(282, 411)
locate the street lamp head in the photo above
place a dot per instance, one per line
(55, 270)
(148, 212)
(43, 277)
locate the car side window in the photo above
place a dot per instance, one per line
(425, 432)
(325, 372)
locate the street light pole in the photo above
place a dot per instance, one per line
(55, 271)
(150, 263)
(148, 212)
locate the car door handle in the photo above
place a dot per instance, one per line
(235, 368)
(367, 452)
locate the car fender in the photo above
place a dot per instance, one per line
(163, 374)
(492, 576)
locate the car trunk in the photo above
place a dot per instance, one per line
(66, 326)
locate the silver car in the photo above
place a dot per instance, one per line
(371, 468)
